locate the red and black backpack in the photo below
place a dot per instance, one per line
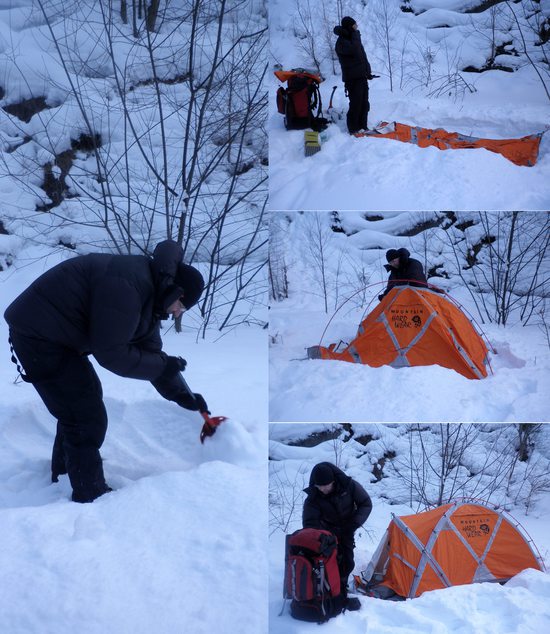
(312, 578)
(300, 102)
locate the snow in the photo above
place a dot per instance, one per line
(147, 556)
(521, 605)
(383, 174)
(302, 389)
(163, 551)
(179, 544)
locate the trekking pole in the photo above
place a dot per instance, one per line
(211, 423)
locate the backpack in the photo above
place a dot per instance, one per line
(312, 578)
(299, 100)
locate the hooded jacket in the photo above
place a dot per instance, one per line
(351, 55)
(342, 511)
(410, 271)
(109, 306)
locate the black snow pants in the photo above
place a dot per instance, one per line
(346, 562)
(70, 388)
(358, 94)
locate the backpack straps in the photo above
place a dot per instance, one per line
(316, 100)
(15, 360)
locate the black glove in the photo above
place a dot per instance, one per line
(197, 403)
(380, 297)
(173, 366)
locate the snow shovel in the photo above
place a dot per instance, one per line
(211, 423)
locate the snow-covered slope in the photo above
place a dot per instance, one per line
(164, 551)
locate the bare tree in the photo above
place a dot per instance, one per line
(526, 439)
(285, 498)
(278, 266)
(481, 461)
(306, 33)
(517, 251)
(436, 472)
(321, 257)
(531, 23)
(329, 19)
(182, 151)
(385, 15)
(505, 269)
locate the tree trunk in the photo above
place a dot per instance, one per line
(152, 14)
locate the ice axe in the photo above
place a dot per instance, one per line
(331, 96)
(211, 423)
(329, 113)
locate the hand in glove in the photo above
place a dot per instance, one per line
(194, 404)
(380, 297)
(173, 366)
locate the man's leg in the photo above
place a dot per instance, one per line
(75, 398)
(346, 562)
(355, 103)
(365, 106)
(59, 466)
(358, 93)
(71, 390)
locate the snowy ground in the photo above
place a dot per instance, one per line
(522, 605)
(381, 174)
(164, 551)
(306, 390)
(301, 389)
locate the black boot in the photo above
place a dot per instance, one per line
(352, 604)
(85, 470)
(58, 457)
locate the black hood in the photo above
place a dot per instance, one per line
(340, 478)
(403, 255)
(340, 31)
(174, 279)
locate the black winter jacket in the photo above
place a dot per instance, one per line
(351, 55)
(109, 306)
(342, 511)
(410, 272)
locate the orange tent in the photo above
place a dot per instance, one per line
(457, 543)
(522, 151)
(414, 326)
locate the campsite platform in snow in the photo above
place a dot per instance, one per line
(384, 174)
(517, 387)
(164, 551)
(521, 606)
(302, 389)
(381, 174)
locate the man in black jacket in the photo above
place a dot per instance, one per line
(108, 306)
(403, 270)
(339, 504)
(356, 71)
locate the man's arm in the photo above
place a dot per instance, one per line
(416, 272)
(311, 515)
(363, 503)
(114, 317)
